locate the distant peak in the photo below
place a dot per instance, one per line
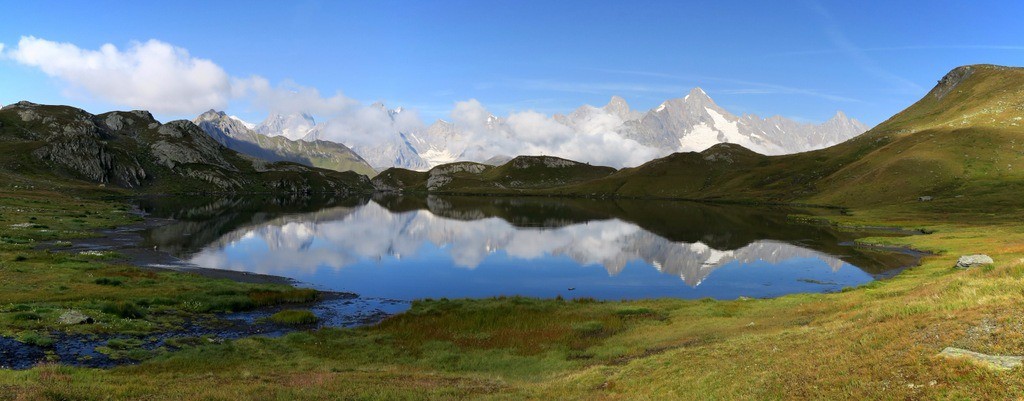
(840, 115)
(697, 94)
(618, 106)
(210, 115)
(617, 102)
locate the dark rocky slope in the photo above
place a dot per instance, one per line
(133, 150)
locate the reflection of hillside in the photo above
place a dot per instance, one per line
(340, 236)
(723, 227)
(199, 221)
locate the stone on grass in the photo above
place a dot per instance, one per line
(73, 317)
(997, 362)
(969, 261)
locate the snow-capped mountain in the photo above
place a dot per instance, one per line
(389, 147)
(612, 135)
(247, 124)
(444, 142)
(291, 126)
(691, 123)
(695, 122)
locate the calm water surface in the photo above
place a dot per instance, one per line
(433, 247)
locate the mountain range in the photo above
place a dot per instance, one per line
(241, 137)
(691, 123)
(958, 143)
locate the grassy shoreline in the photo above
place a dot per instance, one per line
(876, 341)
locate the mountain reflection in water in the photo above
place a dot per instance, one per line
(409, 248)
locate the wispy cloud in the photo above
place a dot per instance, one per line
(599, 88)
(747, 87)
(443, 92)
(900, 48)
(844, 45)
(747, 91)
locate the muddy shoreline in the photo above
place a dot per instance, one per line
(126, 240)
(333, 310)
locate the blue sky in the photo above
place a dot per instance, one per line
(803, 60)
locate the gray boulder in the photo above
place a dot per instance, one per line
(996, 362)
(73, 317)
(969, 261)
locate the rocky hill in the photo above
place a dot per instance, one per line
(133, 150)
(235, 135)
(518, 174)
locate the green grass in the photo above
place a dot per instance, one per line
(36, 286)
(872, 342)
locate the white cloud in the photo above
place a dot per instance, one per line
(152, 75)
(166, 79)
(594, 140)
(290, 98)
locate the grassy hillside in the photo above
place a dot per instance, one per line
(60, 144)
(962, 139)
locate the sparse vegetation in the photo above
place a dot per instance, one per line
(294, 316)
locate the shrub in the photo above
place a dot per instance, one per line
(33, 338)
(591, 328)
(22, 316)
(124, 309)
(294, 317)
(626, 312)
(108, 281)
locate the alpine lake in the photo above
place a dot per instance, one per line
(403, 248)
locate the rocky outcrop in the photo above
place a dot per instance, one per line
(951, 80)
(73, 317)
(996, 362)
(969, 261)
(546, 161)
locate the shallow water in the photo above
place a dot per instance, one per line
(407, 248)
